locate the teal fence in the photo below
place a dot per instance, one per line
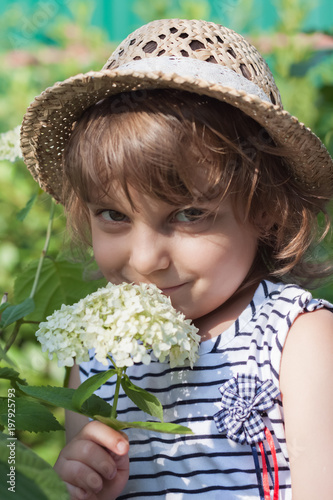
(28, 20)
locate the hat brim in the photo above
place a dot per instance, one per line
(48, 123)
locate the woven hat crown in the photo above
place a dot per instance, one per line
(201, 40)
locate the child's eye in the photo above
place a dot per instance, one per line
(113, 216)
(189, 215)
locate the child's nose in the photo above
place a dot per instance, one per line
(149, 251)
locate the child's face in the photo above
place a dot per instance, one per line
(197, 258)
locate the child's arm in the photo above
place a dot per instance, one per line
(307, 389)
(94, 464)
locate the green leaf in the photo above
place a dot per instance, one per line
(96, 405)
(142, 399)
(150, 426)
(89, 386)
(62, 397)
(14, 313)
(11, 374)
(4, 306)
(61, 282)
(21, 215)
(3, 356)
(27, 415)
(34, 478)
(56, 396)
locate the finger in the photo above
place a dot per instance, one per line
(77, 493)
(105, 436)
(93, 455)
(120, 461)
(119, 481)
(81, 476)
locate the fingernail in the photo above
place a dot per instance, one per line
(121, 447)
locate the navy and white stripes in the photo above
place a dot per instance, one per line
(190, 467)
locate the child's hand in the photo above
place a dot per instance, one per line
(94, 464)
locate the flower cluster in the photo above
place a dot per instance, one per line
(10, 145)
(128, 322)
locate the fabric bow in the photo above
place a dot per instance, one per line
(243, 399)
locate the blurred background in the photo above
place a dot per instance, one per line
(45, 41)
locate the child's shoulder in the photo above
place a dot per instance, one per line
(279, 305)
(290, 297)
(306, 385)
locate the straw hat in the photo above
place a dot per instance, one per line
(196, 56)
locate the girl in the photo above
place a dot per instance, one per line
(178, 164)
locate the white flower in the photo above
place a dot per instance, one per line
(128, 322)
(10, 145)
(60, 334)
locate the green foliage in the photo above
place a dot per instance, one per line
(29, 415)
(32, 477)
(11, 314)
(89, 387)
(149, 426)
(11, 374)
(292, 14)
(61, 282)
(84, 402)
(142, 399)
(63, 397)
(22, 214)
(164, 9)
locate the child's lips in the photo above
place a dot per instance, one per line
(166, 290)
(172, 289)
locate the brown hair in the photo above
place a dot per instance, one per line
(157, 141)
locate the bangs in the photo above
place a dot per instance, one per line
(158, 148)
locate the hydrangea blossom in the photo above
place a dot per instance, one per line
(128, 322)
(10, 145)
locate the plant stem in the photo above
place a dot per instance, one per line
(13, 336)
(19, 323)
(116, 392)
(44, 251)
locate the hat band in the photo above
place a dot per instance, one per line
(187, 67)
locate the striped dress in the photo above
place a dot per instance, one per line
(208, 462)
